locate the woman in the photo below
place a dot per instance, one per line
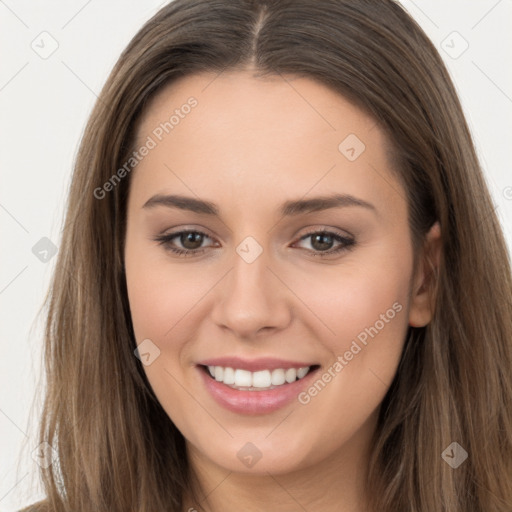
(282, 284)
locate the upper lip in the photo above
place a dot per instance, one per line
(254, 365)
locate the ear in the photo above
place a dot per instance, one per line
(424, 283)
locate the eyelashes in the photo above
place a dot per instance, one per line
(345, 242)
(166, 241)
(324, 237)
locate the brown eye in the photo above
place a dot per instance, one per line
(191, 239)
(322, 242)
(183, 243)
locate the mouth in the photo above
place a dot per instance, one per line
(262, 380)
(267, 387)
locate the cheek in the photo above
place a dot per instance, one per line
(161, 301)
(159, 294)
(353, 299)
(365, 306)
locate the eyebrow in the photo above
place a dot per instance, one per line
(288, 209)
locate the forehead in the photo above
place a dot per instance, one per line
(251, 137)
(274, 105)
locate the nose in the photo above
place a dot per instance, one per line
(251, 299)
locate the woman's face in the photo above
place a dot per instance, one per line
(303, 260)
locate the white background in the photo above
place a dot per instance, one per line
(44, 106)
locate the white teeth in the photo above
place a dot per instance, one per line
(261, 379)
(278, 377)
(301, 372)
(257, 380)
(229, 376)
(219, 373)
(243, 378)
(290, 375)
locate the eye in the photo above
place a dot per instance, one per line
(322, 242)
(190, 240)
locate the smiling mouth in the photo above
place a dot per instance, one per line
(263, 380)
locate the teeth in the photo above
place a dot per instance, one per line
(219, 373)
(242, 378)
(229, 376)
(301, 372)
(278, 377)
(290, 375)
(262, 379)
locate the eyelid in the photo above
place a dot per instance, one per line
(174, 234)
(327, 229)
(185, 229)
(316, 229)
(347, 241)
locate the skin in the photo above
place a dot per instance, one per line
(249, 145)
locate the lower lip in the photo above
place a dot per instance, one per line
(255, 402)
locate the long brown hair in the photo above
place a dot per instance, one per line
(117, 448)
